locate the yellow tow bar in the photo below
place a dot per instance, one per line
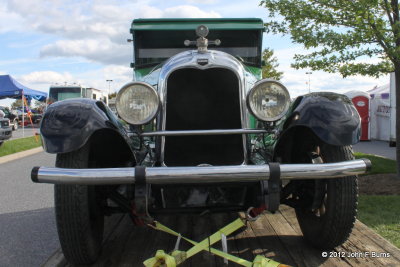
(176, 257)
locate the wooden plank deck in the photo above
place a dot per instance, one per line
(276, 236)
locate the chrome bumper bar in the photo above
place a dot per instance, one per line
(190, 175)
(203, 132)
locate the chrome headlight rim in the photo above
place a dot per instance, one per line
(148, 86)
(273, 119)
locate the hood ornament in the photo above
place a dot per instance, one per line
(202, 42)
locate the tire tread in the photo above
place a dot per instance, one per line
(72, 213)
(337, 226)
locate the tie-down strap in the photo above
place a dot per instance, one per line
(177, 257)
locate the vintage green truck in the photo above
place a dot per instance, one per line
(206, 133)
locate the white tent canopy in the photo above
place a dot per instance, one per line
(380, 92)
(380, 115)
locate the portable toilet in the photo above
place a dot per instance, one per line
(361, 101)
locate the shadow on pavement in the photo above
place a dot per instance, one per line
(27, 238)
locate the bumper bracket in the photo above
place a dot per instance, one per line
(272, 197)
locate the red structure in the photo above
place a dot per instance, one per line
(361, 101)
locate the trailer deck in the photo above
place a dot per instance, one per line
(276, 236)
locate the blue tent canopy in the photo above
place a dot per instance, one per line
(10, 88)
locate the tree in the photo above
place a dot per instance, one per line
(40, 106)
(17, 104)
(345, 36)
(113, 95)
(269, 70)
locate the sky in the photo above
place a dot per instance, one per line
(45, 42)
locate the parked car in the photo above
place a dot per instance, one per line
(14, 120)
(207, 134)
(5, 130)
(36, 116)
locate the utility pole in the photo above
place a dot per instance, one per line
(309, 81)
(109, 86)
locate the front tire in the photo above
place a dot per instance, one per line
(79, 217)
(330, 225)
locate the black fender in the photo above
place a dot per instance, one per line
(331, 117)
(67, 125)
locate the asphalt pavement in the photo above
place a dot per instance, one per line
(28, 234)
(380, 148)
(25, 132)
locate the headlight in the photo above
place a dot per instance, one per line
(268, 100)
(137, 103)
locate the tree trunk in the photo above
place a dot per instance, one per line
(397, 75)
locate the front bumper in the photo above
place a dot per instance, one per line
(5, 133)
(203, 175)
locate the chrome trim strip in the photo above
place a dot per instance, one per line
(203, 132)
(188, 175)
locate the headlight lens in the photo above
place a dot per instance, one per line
(268, 100)
(137, 103)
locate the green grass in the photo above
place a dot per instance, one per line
(379, 164)
(18, 145)
(381, 213)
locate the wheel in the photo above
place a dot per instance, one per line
(79, 218)
(328, 224)
(15, 126)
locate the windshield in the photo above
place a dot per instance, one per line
(154, 47)
(61, 93)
